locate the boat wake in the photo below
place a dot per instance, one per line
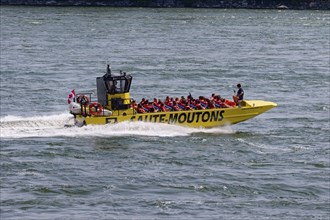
(62, 125)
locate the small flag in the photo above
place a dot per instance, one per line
(71, 96)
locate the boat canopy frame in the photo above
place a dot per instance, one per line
(112, 84)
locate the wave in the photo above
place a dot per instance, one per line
(13, 127)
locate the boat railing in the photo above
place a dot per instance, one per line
(84, 104)
(84, 94)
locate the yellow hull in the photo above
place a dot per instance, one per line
(207, 118)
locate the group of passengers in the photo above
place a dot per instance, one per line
(182, 104)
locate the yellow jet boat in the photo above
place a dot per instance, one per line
(114, 105)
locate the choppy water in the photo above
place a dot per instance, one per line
(275, 166)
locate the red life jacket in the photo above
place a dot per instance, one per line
(187, 107)
(199, 106)
(140, 110)
(230, 103)
(163, 109)
(175, 108)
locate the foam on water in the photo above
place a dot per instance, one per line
(54, 126)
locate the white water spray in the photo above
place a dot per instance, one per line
(14, 127)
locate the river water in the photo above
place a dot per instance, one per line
(275, 166)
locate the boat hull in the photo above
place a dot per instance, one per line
(206, 118)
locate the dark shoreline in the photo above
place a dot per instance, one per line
(229, 4)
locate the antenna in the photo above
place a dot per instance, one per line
(109, 69)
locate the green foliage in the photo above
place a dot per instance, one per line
(188, 3)
(297, 2)
(141, 2)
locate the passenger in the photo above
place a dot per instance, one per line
(146, 104)
(211, 104)
(156, 102)
(198, 105)
(182, 99)
(239, 96)
(212, 97)
(152, 107)
(163, 108)
(193, 102)
(189, 97)
(171, 101)
(142, 101)
(134, 105)
(167, 101)
(140, 109)
(223, 103)
(217, 101)
(159, 103)
(175, 106)
(202, 100)
(186, 105)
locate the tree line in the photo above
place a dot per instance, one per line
(294, 4)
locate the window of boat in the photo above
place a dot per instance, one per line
(110, 86)
(118, 86)
(128, 83)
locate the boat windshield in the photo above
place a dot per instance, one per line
(119, 85)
